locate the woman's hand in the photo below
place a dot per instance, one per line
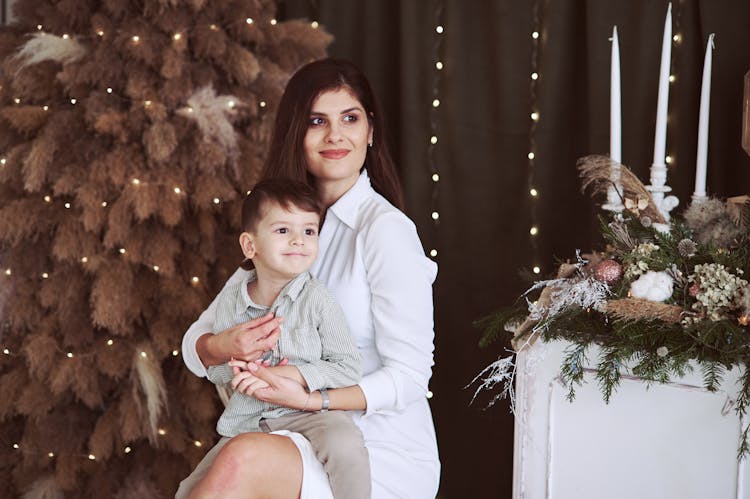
(246, 341)
(269, 387)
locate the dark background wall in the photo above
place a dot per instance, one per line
(485, 132)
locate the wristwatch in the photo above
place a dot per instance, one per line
(324, 396)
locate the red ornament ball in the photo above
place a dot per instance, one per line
(608, 271)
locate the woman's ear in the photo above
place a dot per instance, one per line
(246, 243)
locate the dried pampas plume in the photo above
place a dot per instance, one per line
(46, 47)
(211, 113)
(595, 172)
(45, 487)
(148, 382)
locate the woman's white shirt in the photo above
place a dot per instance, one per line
(371, 259)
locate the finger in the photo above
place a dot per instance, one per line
(241, 364)
(262, 373)
(257, 321)
(265, 328)
(251, 387)
(283, 362)
(240, 377)
(269, 341)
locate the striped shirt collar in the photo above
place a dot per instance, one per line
(292, 289)
(347, 206)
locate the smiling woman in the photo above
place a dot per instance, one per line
(336, 143)
(372, 261)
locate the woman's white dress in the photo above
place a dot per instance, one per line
(371, 259)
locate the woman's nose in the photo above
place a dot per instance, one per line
(334, 133)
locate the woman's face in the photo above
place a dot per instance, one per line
(336, 141)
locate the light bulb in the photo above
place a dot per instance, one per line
(533, 192)
(195, 279)
(435, 215)
(533, 231)
(262, 103)
(217, 200)
(136, 38)
(433, 253)
(436, 103)
(531, 155)
(110, 342)
(439, 66)
(534, 75)
(439, 29)
(315, 24)
(433, 140)
(177, 190)
(273, 22)
(435, 177)
(535, 116)
(69, 355)
(156, 268)
(100, 32)
(249, 20)
(177, 36)
(535, 35)
(536, 270)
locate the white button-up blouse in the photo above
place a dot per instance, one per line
(371, 259)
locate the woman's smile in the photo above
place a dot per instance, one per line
(334, 153)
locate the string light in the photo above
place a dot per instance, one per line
(535, 116)
(433, 140)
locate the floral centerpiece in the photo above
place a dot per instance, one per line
(659, 295)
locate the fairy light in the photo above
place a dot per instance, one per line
(175, 353)
(177, 190)
(99, 32)
(47, 199)
(177, 37)
(127, 450)
(273, 22)
(156, 268)
(6, 351)
(17, 100)
(195, 280)
(122, 251)
(69, 355)
(438, 62)
(135, 181)
(73, 101)
(67, 205)
(136, 39)
(92, 457)
(198, 443)
(3, 161)
(66, 36)
(217, 200)
(161, 431)
(315, 24)
(535, 116)
(109, 90)
(84, 259)
(249, 20)
(110, 342)
(262, 103)
(45, 275)
(8, 272)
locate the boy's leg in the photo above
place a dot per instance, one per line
(339, 445)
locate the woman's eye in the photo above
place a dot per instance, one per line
(317, 121)
(351, 118)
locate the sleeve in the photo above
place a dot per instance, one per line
(400, 278)
(340, 362)
(220, 375)
(203, 325)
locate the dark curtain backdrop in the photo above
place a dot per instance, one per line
(483, 126)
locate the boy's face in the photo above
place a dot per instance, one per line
(284, 244)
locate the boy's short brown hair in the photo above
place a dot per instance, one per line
(282, 191)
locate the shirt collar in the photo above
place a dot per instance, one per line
(347, 206)
(292, 289)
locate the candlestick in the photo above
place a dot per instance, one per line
(701, 157)
(614, 191)
(658, 185)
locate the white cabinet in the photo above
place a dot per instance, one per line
(673, 440)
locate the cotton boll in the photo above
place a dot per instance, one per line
(653, 286)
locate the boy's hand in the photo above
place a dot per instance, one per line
(246, 341)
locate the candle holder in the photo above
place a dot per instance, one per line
(658, 189)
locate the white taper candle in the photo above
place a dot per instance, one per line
(701, 158)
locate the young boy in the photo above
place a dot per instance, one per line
(280, 219)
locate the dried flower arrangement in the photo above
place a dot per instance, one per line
(660, 298)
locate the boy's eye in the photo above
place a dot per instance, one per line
(282, 230)
(310, 232)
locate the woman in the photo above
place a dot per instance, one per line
(328, 132)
